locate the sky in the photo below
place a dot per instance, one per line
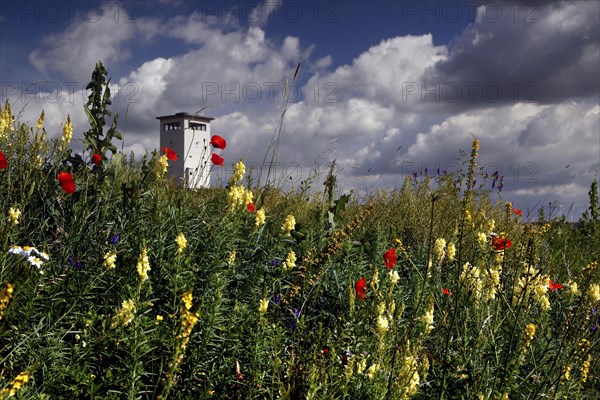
(385, 88)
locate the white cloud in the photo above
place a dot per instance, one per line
(75, 52)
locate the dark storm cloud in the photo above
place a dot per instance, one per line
(542, 52)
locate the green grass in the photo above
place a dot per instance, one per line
(316, 339)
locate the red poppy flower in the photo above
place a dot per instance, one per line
(389, 258)
(96, 158)
(517, 212)
(325, 351)
(447, 292)
(251, 207)
(502, 243)
(3, 161)
(171, 155)
(361, 288)
(217, 159)
(554, 286)
(218, 142)
(65, 179)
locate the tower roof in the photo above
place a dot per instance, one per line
(186, 115)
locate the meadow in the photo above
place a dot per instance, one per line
(115, 283)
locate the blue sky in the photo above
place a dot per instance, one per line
(385, 88)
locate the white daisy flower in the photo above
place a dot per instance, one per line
(35, 261)
(15, 250)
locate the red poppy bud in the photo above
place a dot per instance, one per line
(389, 258)
(218, 142)
(554, 286)
(361, 288)
(171, 155)
(3, 161)
(65, 179)
(217, 159)
(96, 158)
(502, 243)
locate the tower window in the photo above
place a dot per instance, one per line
(197, 127)
(171, 126)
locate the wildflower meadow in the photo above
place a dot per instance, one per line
(115, 283)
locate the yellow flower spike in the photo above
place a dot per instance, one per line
(288, 225)
(143, 265)
(187, 299)
(162, 165)
(290, 261)
(231, 258)
(67, 134)
(451, 252)
(16, 385)
(260, 217)
(110, 259)
(383, 324)
(40, 121)
(238, 173)
(585, 369)
(13, 215)
(125, 315)
(438, 248)
(5, 296)
(263, 306)
(594, 292)
(181, 243)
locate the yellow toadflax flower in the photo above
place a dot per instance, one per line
(162, 165)
(143, 265)
(288, 225)
(110, 259)
(290, 261)
(410, 376)
(5, 296)
(181, 243)
(16, 385)
(482, 238)
(373, 369)
(13, 215)
(427, 318)
(231, 258)
(238, 173)
(585, 369)
(438, 248)
(451, 252)
(594, 292)
(40, 121)
(263, 306)
(187, 299)
(125, 315)
(572, 288)
(67, 134)
(6, 120)
(383, 324)
(260, 217)
(529, 333)
(394, 276)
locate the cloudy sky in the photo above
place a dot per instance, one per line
(386, 88)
